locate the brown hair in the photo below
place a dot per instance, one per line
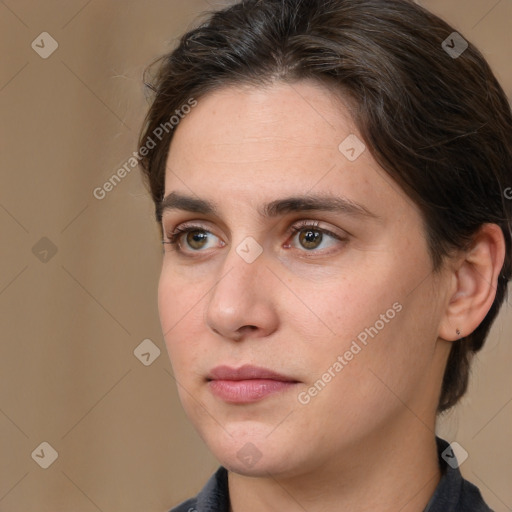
(438, 123)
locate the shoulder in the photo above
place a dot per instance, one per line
(471, 498)
(454, 493)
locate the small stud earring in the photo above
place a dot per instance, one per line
(458, 332)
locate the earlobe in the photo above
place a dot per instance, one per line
(475, 281)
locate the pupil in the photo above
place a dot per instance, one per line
(196, 238)
(310, 237)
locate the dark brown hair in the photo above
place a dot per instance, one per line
(438, 123)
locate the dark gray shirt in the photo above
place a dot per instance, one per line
(453, 493)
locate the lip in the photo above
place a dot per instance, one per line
(246, 372)
(247, 383)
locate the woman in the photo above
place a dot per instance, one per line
(330, 180)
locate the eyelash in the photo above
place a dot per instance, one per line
(174, 237)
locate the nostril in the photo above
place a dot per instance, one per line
(242, 330)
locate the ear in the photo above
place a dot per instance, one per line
(475, 278)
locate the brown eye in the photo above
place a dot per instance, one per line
(310, 238)
(189, 239)
(196, 239)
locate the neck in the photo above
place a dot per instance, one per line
(390, 472)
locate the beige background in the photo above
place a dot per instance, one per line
(70, 324)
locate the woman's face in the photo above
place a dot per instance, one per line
(346, 309)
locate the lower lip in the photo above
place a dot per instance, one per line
(247, 391)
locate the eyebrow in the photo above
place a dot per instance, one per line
(278, 207)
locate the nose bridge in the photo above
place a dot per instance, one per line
(242, 269)
(237, 299)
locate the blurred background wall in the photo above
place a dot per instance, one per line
(78, 274)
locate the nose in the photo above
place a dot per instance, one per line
(241, 303)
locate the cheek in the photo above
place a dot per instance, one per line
(372, 380)
(179, 294)
(381, 322)
(180, 312)
(394, 364)
(354, 301)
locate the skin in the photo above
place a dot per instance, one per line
(366, 440)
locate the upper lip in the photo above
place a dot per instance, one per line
(246, 372)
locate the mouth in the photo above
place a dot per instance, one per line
(247, 383)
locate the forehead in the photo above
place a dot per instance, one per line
(281, 120)
(271, 142)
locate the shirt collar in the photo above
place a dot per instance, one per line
(452, 494)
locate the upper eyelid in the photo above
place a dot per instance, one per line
(303, 223)
(295, 227)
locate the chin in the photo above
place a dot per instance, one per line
(250, 463)
(253, 454)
